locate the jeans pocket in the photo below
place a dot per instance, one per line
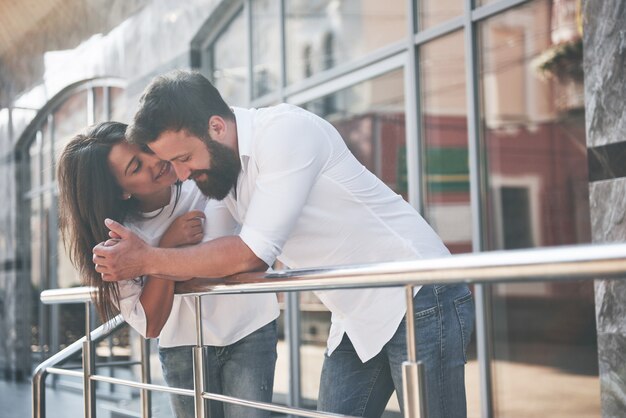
(425, 313)
(464, 307)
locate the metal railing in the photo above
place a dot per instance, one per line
(542, 264)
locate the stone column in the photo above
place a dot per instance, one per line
(604, 61)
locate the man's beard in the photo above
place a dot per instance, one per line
(216, 182)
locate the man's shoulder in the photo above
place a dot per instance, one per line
(283, 111)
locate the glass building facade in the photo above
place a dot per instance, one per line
(458, 106)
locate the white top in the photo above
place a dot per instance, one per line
(225, 318)
(304, 199)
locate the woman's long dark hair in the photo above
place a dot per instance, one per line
(89, 193)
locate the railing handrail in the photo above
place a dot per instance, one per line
(72, 295)
(536, 264)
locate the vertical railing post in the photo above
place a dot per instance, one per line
(146, 395)
(39, 393)
(413, 382)
(292, 338)
(89, 387)
(199, 377)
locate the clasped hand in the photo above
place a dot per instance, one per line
(126, 256)
(122, 256)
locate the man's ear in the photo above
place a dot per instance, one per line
(217, 127)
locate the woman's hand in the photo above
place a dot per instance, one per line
(187, 229)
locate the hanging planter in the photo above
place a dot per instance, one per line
(563, 61)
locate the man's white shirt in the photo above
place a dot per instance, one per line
(225, 318)
(304, 199)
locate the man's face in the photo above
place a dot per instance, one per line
(213, 166)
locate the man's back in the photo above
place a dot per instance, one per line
(305, 199)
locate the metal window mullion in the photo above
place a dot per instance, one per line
(282, 16)
(343, 70)
(106, 102)
(91, 106)
(439, 31)
(491, 9)
(378, 68)
(477, 202)
(247, 11)
(413, 136)
(42, 262)
(53, 237)
(292, 318)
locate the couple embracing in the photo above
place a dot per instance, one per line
(269, 184)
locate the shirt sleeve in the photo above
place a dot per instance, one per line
(291, 153)
(130, 305)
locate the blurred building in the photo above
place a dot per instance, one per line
(474, 111)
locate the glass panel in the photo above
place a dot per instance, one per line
(433, 12)
(117, 103)
(265, 46)
(100, 108)
(324, 33)
(444, 128)
(230, 62)
(34, 153)
(35, 270)
(537, 189)
(446, 165)
(69, 119)
(47, 170)
(370, 117)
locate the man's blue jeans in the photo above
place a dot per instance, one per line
(244, 369)
(444, 321)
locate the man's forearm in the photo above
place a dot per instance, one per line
(218, 258)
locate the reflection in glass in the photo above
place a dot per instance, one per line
(117, 104)
(534, 149)
(229, 62)
(100, 108)
(433, 12)
(445, 161)
(370, 117)
(47, 156)
(326, 33)
(265, 46)
(444, 128)
(69, 119)
(36, 248)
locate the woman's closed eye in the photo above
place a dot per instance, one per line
(137, 168)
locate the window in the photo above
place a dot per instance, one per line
(525, 162)
(53, 327)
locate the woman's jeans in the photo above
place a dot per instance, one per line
(444, 321)
(244, 369)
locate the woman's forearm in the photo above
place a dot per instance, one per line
(156, 299)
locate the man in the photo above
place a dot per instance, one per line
(303, 198)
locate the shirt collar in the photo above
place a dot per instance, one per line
(244, 119)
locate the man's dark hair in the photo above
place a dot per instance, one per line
(178, 100)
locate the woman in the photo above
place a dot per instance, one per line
(103, 176)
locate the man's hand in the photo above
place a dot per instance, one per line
(123, 257)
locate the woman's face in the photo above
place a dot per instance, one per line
(138, 173)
